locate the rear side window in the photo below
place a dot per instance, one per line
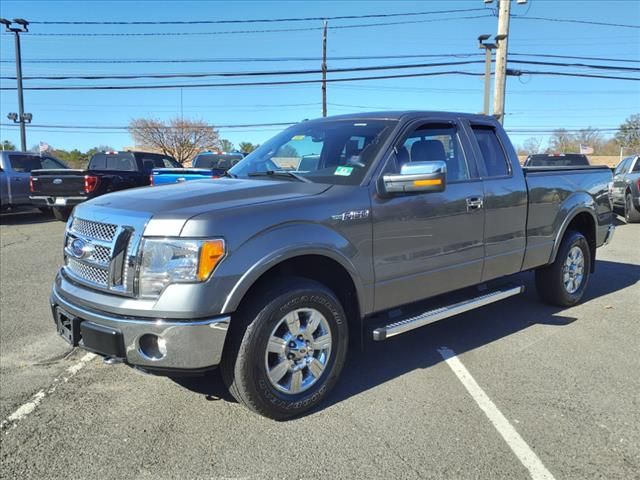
(26, 163)
(113, 161)
(158, 161)
(636, 168)
(216, 161)
(493, 155)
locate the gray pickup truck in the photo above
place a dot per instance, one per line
(351, 227)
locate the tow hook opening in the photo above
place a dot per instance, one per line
(152, 346)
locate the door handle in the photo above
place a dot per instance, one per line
(474, 203)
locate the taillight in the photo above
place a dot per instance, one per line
(31, 189)
(151, 180)
(215, 176)
(639, 184)
(90, 183)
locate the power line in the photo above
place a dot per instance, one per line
(235, 32)
(299, 59)
(307, 72)
(252, 20)
(573, 20)
(567, 74)
(243, 84)
(246, 74)
(279, 124)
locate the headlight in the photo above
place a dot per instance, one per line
(169, 260)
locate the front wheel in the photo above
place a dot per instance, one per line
(631, 215)
(564, 282)
(286, 349)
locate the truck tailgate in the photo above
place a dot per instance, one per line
(58, 182)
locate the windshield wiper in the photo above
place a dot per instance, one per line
(280, 173)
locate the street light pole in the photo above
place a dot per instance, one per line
(324, 70)
(22, 117)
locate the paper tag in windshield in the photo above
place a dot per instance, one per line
(343, 171)
(297, 137)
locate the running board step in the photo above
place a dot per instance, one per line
(431, 316)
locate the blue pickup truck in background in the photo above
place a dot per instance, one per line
(205, 165)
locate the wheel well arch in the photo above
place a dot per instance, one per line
(584, 223)
(321, 269)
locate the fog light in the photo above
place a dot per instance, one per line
(152, 346)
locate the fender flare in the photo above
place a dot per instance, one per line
(275, 257)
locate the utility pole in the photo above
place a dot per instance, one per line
(504, 7)
(324, 70)
(21, 118)
(488, 47)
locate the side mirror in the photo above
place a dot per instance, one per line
(417, 177)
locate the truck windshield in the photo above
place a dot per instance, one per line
(338, 152)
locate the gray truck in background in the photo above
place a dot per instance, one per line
(361, 226)
(15, 173)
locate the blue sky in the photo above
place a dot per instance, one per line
(533, 102)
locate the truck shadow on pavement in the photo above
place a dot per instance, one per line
(25, 216)
(380, 362)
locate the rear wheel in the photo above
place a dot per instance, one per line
(564, 282)
(286, 349)
(62, 213)
(631, 215)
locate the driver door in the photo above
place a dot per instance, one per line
(430, 242)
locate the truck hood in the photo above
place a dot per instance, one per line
(169, 207)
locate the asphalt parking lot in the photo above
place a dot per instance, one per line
(567, 381)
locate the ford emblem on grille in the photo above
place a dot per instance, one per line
(80, 248)
(57, 181)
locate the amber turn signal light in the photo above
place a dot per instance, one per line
(211, 253)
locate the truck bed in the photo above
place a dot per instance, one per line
(555, 193)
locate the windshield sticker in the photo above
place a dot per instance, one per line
(298, 137)
(343, 171)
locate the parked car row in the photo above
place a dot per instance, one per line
(42, 180)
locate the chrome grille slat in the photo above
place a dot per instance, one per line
(99, 231)
(96, 275)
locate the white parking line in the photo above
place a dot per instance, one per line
(23, 410)
(527, 457)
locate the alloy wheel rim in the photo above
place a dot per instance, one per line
(573, 270)
(298, 351)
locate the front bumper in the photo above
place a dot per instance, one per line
(188, 345)
(52, 201)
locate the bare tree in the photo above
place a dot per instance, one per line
(182, 139)
(562, 141)
(531, 146)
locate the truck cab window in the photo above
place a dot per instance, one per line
(430, 143)
(493, 155)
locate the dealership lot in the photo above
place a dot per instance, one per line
(566, 381)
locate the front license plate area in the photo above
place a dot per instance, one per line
(68, 327)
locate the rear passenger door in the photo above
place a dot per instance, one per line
(505, 200)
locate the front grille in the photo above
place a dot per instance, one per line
(96, 275)
(99, 231)
(101, 255)
(114, 247)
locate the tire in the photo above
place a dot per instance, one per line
(564, 282)
(631, 215)
(246, 360)
(61, 213)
